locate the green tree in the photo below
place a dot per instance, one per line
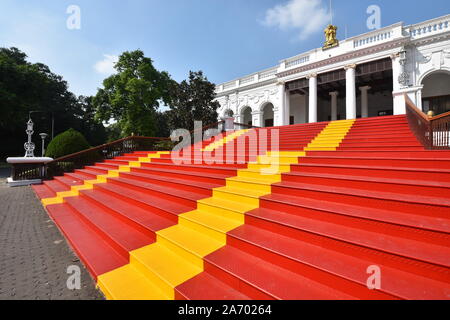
(68, 142)
(90, 126)
(133, 95)
(193, 100)
(26, 87)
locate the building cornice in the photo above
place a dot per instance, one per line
(345, 57)
(249, 87)
(431, 39)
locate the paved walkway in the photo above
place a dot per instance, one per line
(34, 256)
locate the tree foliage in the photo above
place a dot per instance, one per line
(193, 100)
(26, 87)
(68, 142)
(133, 95)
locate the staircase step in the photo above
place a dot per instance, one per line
(330, 262)
(431, 174)
(164, 267)
(169, 209)
(95, 253)
(69, 182)
(428, 220)
(147, 221)
(56, 186)
(178, 182)
(213, 178)
(388, 200)
(189, 243)
(431, 247)
(187, 198)
(438, 190)
(43, 192)
(121, 236)
(127, 283)
(262, 280)
(386, 161)
(206, 287)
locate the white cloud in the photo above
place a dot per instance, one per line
(106, 66)
(305, 16)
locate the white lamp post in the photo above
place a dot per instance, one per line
(29, 145)
(43, 137)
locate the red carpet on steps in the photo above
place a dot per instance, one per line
(380, 200)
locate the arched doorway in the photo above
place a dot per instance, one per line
(268, 115)
(246, 116)
(436, 92)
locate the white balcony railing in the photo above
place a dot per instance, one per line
(430, 27)
(254, 78)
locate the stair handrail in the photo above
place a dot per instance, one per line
(103, 152)
(432, 132)
(244, 126)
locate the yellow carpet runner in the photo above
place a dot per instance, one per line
(177, 256)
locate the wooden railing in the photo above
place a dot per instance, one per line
(440, 128)
(106, 151)
(111, 150)
(432, 132)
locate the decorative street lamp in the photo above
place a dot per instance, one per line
(43, 137)
(29, 145)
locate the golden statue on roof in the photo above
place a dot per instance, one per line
(330, 37)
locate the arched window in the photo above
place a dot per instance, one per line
(246, 116)
(436, 92)
(268, 115)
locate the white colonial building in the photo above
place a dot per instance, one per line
(364, 76)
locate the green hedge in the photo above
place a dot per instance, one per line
(68, 142)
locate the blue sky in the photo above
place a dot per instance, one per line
(224, 38)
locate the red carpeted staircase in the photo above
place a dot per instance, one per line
(380, 200)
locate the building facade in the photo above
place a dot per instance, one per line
(363, 76)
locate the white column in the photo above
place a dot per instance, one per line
(334, 96)
(312, 98)
(397, 94)
(364, 101)
(280, 114)
(419, 98)
(277, 117)
(287, 107)
(257, 121)
(350, 91)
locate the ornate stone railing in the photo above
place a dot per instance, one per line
(430, 27)
(246, 80)
(293, 62)
(229, 85)
(267, 74)
(249, 79)
(373, 39)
